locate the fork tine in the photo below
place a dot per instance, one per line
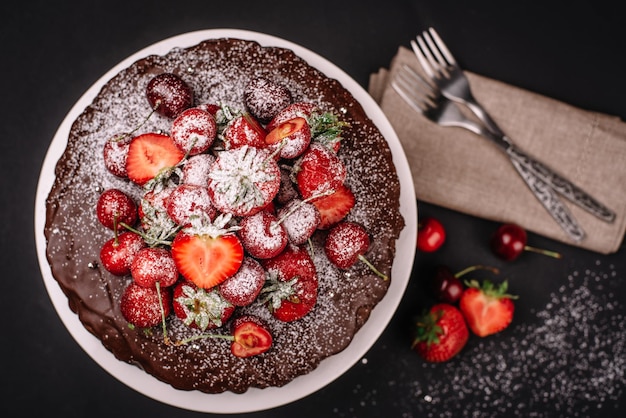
(422, 59)
(414, 89)
(433, 48)
(442, 46)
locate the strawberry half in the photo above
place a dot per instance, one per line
(334, 207)
(206, 255)
(149, 154)
(440, 334)
(487, 308)
(251, 337)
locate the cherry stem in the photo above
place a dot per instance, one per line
(374, 269)
(549, 253)
(166, 338)
(476, 267)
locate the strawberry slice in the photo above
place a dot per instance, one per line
(487, 308)
(440, 334)
(251, 337)
(149, 154)
(207, 260)
(334, 207)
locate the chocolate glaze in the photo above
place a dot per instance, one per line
(218, 70)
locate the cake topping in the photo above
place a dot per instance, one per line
(194, 130)
(265, 98)
(169, 95)
(244, 180)
(150, 155)
(200, 308)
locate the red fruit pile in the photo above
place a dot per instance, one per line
(227, 203)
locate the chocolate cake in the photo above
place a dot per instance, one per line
(218, 71)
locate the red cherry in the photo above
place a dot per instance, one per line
(431, 235)
(509, 241)
(448, 287)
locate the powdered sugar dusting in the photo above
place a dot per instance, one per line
(568, 360)
(217, 72)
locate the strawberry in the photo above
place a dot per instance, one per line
(440, 334)
(251, 336)
(114, 207)
(145, 307)
(487, 308)
(334, 207)
(151, 265)
(291, 289)
(187, 201)
(244, 130)
(262, 236)
(194, 130)
(117, 254)
(150, 154)
(243, 288)
(291, 138)
(345, 245)
(319, 171)
(207, 254)
(244, 180)
(200, 308)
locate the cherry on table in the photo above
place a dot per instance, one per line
(448, 287)
(509, 241)
(430, 235)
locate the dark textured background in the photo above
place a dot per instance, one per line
(564, 354)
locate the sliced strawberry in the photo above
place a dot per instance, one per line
(154, 265)
(117, 254)
(141, 306)
(243, 288)
(291, 289)
(440, 334)
(194, 130)
(200, 308)
(319, 171)
(334, 207)
(294, 110)
(291, 137)
(487, 308)
(251, 337)
(149, 154)
(207, 261)
(244, 130)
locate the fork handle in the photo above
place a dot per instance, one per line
(549, 199)
(561, 185)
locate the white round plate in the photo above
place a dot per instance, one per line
(254, 399)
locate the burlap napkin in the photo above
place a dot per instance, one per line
(456, 169)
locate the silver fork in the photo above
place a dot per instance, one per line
(441, 67)
(425, 99)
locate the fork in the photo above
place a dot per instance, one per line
(441, 67)
(425, 99)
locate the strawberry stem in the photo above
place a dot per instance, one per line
(374, 269)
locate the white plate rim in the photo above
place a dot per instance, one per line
(254, 399)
